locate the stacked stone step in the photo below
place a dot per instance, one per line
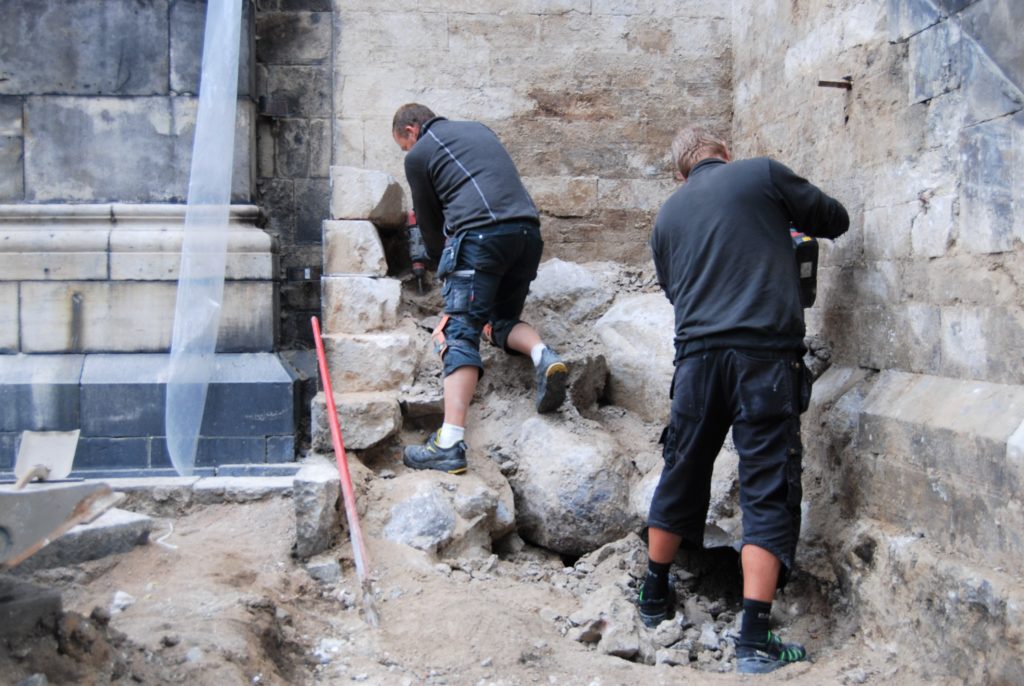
(369, 356)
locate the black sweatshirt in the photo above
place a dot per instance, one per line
(724, 256)
(461, 177)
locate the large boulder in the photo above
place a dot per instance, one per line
(571, 486)
(637, 333)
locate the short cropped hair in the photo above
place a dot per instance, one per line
(693, 144)
(411, 114)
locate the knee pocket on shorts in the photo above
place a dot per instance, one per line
(458, 292)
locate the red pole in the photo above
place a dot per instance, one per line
(355, 532)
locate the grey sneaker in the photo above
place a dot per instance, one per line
(551, 375)
(762, 658)
(432, 456)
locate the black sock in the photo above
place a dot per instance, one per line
(656, 582)
(756, 617)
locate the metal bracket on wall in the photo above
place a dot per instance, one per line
(846, 83)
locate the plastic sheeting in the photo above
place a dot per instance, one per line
(203, 252)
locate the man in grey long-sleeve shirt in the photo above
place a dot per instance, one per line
(724, 257)
(466, 192)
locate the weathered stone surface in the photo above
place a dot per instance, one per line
(293, 37)
(108, 48)
(241, 489)
(576, 291)
(935, 61)
(611, 621)
(353, 247)
(126, 150)
(108, 320)
(40, 392)
(12, 187)
(637, 333)
(306, 90)
(563, 196)
(8, 317)
(187, 29)
(358, 304)
(115, 531)
(315, 491)
(366, 194)
(371, 362)
(572, 490)
(991, 159)
(26, 606)
(365, 419)
(450, 516)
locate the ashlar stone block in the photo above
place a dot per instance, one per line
(359, 304)
(935, 63)
(8, 317)
(367, 194)
(563, 196)
(365, 419)
(370, 362)
(990, 165)
(353, 247)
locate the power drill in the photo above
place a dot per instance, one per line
(417, 249)
(805, 249)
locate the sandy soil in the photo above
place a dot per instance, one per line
(228, 605)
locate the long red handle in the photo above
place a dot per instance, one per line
(356, 534)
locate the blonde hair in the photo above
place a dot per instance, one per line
(693, 144)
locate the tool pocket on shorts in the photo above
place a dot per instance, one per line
(687, 392)
(449, 255)
(458, 291)
(765, 386)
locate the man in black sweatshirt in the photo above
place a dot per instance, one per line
(724, 257)
(467, 193)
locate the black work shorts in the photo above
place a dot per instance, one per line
(760, 394)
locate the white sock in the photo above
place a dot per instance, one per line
(450, 435)
(535, 353)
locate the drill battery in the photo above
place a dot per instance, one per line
(805, 249)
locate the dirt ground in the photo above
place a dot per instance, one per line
(227, 604)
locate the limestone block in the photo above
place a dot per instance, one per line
(312, 207)
(901, 337)
(353, 247)
(115, 531)
(990, 162)
(425, 521)
(315, 492)
(933, 230)
(305, 89)
(650, 194)
(637, 332)
(995, 25)
(12, 187)
(417, 32)
(370, 362)
(53, 253)
(365, 419)
(887, 230)
(294, 37)
(367, 194)
(320, 148)
(242, 172)
(348, 141)
(241, 489)
(98, 316)
(563, 196)
(934, 64)
(907, 17)
(359, 304)
(153, 253)
(983, 343)
(8, 317)
(987, 92)
(572, 491)
(106, 48)
(187, 28)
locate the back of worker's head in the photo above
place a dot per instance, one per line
(693, 144)
(411, 114)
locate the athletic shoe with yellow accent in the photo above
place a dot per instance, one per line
(762, 658)
(552, 375)
(430, 455)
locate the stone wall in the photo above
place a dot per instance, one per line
(98, 101)
(913, 444)
(585, 94)
(294, 55)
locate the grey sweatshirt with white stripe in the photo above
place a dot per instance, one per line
(462, 177)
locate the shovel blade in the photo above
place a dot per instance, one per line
(52, 451)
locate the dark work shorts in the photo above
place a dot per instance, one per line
(760, 394)
(487, 274)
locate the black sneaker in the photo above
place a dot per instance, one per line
(762, 658)
(552, 375)
(654, 611)
(432, 456)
